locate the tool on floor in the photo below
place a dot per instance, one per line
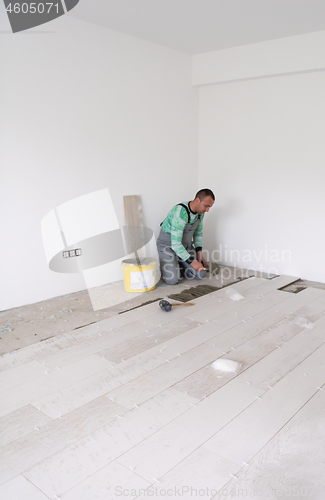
(166, 306)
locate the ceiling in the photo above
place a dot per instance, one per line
(197, 26)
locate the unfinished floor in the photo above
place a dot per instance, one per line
(131, 407)
(26, 325)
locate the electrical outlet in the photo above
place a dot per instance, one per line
(71, 253)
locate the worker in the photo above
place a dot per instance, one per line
(180, 239)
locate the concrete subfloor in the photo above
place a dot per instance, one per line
(299, 285)
(26, 325)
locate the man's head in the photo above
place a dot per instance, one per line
(204, 199)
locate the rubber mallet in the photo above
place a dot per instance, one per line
(166, 306)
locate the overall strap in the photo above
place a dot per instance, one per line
(188, 212)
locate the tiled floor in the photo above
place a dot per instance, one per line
(130, 406)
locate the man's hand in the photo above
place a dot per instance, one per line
(197, 265)
(200, 258)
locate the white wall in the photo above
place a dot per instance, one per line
(85, 108)
(262, 150)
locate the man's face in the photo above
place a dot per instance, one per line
(204, 205)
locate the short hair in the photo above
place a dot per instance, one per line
(203, 193)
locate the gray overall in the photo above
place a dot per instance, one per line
(170, 263)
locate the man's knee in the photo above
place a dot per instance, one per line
(169, 273)
(202, 275)
(171, 281)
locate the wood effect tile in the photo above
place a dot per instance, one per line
(113, 481)
(31, 392)
(37, 352)
(75, 395)
(152, 338)
(20, 488)
(20, 422)
(8, 472)
(252, 306)
(160, 378)
(107, 343)
(23, 374)
(199, 475)
(66, 399)
(28, 450)
(53, 345)
(314, 310)
(267, 343)
(187, 432)
(251, 289)
(242, 438)
(291, 464)
(271, 369)
(63, 401)
(62, 471)
(82, 351)
(257, 317)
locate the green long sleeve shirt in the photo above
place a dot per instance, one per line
(175, 223)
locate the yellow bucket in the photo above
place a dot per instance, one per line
(139, 276)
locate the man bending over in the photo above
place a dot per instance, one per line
(180, 239)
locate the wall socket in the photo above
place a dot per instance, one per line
(71, 253)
